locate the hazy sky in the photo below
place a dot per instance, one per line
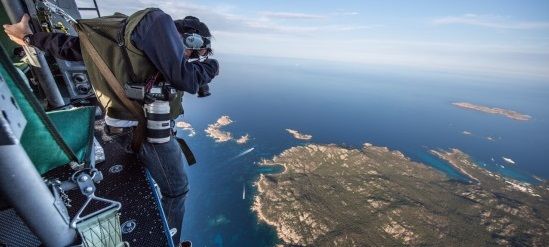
(497, 37)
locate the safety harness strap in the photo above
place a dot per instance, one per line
(132, 106)
(191, 160)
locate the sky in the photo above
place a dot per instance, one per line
(488, 37)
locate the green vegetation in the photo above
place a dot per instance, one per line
(329, 195)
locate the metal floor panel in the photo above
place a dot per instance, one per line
(13, 232)
(124, 181)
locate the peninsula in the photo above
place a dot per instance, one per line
(329, 195)
(493, 110)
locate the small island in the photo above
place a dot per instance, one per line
(214, 131)
(243, 139)
(493, 110)
(299, 136)
(329, 195)
(186, 127)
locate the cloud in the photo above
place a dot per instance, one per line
(463, 57)
(228, 18)
(346, 13)
(333, 38)
(304, 30)
(291, 15)
(491, 21)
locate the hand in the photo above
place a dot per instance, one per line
(17, 31)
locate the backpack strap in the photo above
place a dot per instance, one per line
(124, 39)
(132, 106)
(131, 23)
(124, 48)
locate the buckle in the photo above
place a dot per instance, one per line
(111, 130)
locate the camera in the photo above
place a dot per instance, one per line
(158, 118)
(204, 91)
(140, 92)
(212, 66)
(156, 103)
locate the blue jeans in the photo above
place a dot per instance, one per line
(165, 162)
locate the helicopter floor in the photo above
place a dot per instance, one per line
(125, 181)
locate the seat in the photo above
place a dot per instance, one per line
(55, 138)
(59, 138)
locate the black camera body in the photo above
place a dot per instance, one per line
(156, 104)
(212, 66)
(204, 91)
(138, 91)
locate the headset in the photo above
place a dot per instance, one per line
(192, 41)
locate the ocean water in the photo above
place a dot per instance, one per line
(402, 109)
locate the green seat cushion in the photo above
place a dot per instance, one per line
(50, 139)
(75, 127)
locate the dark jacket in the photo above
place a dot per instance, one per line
(157, 36)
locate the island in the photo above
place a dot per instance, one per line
(214, 131)
(299, 136)
(243, 139)
(328, 195)
(186, 127)
(493, 110)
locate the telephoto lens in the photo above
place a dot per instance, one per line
(158, 121)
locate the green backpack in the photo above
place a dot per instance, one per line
(111, 38)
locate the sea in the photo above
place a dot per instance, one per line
(404, 109)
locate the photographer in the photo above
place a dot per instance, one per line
(187, 25)
(150, 50)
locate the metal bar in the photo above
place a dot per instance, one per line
(47, 83)
(25, 190)
(96, 8)
(20, 183)
(90, 9)
(157, 199)
(77, 219)
(15, 10)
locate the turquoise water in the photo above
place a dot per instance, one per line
(409, 111)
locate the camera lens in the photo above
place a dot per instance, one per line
(158, 121)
